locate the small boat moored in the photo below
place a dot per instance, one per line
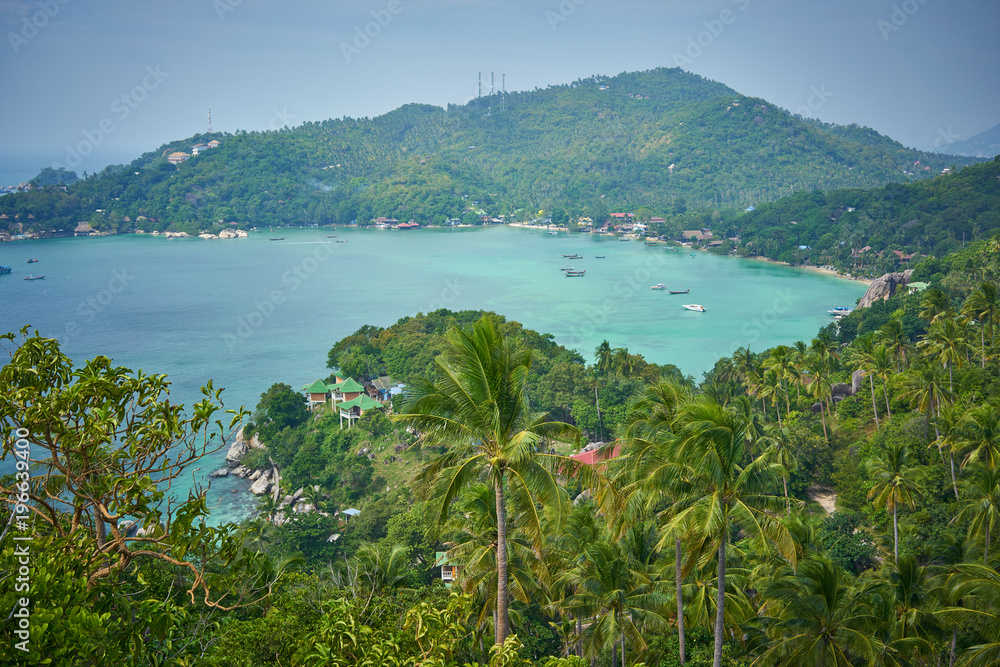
(32, 261)
(695, 307)
(658, 286)
(31, 277)
(840, 310)
(683, 291)
(4, 269)
(279, 239)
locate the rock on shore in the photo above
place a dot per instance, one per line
(883, 288)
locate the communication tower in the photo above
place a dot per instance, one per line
(210, 121)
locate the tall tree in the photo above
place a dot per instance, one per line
(983, 306)
(896, 483)
(478, 406)
(727, 491)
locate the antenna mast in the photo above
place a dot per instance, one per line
(480, 93)
(210, 120)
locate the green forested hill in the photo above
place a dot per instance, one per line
(663, 139)
(933, 217)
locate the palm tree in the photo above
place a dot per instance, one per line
(949, 436)
(478, 405)
(619, 598)
(923, 386)
(935, 305)
(896, 341)
(946, 342)
(819, 385)
(983, 305)
(727, 492)
(471, 536)
(813, 618)
(895, 483)
(979, 585)
(780, 360)
(781, 452)
(981, 509)
(864, 348)
(603, 357)
(883, 367)
(980, 433)
(649, 474)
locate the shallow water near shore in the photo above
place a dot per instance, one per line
(251, 312)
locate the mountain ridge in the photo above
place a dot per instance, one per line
(663, 138)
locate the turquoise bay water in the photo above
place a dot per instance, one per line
(251, 312)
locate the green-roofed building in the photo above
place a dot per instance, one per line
(918, 286)
(356, 407)
(346, 390)
(318, 393)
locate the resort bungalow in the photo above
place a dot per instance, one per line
(383, 388)
(356, 407)
(318, 393)
(449, 571)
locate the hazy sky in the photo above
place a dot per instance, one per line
(116, 78)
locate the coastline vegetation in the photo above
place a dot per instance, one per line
(696, 539)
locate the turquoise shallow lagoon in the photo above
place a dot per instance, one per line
(250, 312)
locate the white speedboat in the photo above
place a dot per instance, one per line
(659, 286)
(696, 307)
(840, 310)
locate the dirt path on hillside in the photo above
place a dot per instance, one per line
(825, 497)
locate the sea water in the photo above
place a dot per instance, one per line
(250, 312)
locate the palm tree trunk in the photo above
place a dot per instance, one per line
(614, 655)
(720, 604)
(678, 580)
(502, 625)
(822, 418)
(788, 504)
(895, 532)
(986, 550)
(871, 381)
(954, 641)
(954, 484)
(886, 394)
(623, 648)
(597, 399)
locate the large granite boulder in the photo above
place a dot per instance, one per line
(261, 485)
(883, 288)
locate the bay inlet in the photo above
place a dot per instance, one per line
(250, 312)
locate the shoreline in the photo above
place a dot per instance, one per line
(814, 269)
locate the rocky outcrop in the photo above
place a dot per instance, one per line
(261, 484)
(221, 472)
(883, 288)
(242, 446)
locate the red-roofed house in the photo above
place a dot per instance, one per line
(594, 456)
